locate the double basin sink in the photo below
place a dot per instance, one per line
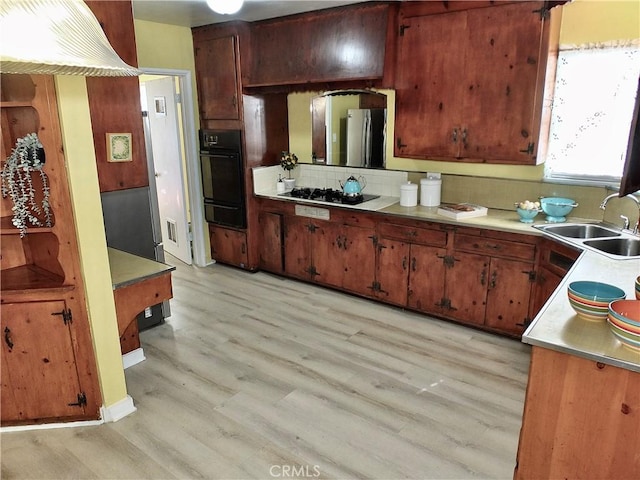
(608, 240)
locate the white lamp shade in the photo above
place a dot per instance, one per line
(56, 37)
(225, 7)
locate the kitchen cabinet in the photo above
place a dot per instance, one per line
(330, 253)
(217, 78)
(340, 44)
(581, 419)
(271, 254)
(228, 245)
(555, 261)
(492, 279)
(47, 351)
(469, 83)
(39, 377)
(410, 269)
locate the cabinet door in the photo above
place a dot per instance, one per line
(393, 271)
(217, 77)
(39, 373)
(359, 259)
(228, 246)
(271, 242)
(466, 287)
(297, 253)
(501, 98)
(328, 243)
(546, 283)
(426, 278)
(509, 292)
(428, 86)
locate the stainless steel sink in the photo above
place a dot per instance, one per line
(587, 230)
(624, 247)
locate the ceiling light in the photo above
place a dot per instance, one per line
(225, 7)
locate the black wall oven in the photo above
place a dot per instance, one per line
(223, 177)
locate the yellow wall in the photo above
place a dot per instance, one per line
(169, 47)
(583, 21)
(80, 157)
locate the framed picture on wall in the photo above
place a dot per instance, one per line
(160, 105)
(119, 147)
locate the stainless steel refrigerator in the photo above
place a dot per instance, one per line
(366, 137)
(132, 224)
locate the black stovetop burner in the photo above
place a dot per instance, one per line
(328, 195)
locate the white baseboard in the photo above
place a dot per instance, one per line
(133, 358)
(118, 410)
(49, 426)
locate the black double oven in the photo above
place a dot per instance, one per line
(223, 177)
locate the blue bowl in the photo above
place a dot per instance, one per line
(527, 216)
(596, 291)
(557, 208)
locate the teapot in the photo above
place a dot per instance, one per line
(352, 187)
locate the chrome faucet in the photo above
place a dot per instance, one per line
(603, 206)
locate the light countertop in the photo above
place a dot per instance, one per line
(127, 269)
(556, 326)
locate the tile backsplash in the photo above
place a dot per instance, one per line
(495, 193)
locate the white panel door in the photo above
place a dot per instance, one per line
(167, 159)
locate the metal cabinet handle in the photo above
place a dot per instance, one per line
(454, 135)
(404, 263)
(7, 338)
(483, 277)
(494, 275)
(464, 137)
(413, 264)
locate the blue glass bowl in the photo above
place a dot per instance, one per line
(527, 216)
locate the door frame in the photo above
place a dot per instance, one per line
(199, 237)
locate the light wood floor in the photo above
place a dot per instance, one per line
(256, 376)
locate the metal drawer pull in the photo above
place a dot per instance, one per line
(7, 338)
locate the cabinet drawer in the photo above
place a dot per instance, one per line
(494, 247)
(422, 236)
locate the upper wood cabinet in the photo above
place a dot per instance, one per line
(469, 83)
(341, 44)
(114, 102)
(217, 78)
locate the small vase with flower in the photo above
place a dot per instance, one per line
(288, 161)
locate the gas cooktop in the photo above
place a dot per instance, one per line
(328, 195)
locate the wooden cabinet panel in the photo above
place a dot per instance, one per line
(327, 246)
(39, 376)
(271, 242)
(358, 259)
(581, 419)
(509, 292)
(428, 86)
(228, 246)
(466, 287)
(297, 247)
(341, 44)
(546, 283)
(494, 247)
(392, 273)
(450, 105)
(427, 278)
(217, 78)
(423, 236)
(114, 103)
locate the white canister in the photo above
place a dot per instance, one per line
(430, 188)
(408, 194)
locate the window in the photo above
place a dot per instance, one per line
(591, 114)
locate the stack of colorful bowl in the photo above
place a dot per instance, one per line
(624, 321)
(591, 300)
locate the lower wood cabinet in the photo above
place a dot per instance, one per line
(494, 280)
(330, 253)
(228, 246)
(42, 368)
(581, 419)
(271, 242)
